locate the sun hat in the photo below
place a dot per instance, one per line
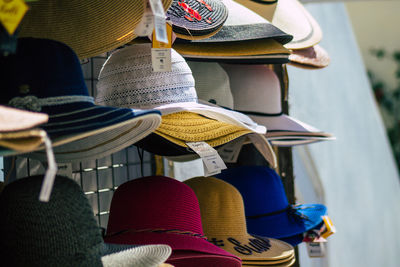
(46, 76)
(90, 28)
(193, 19)
(61, 232)
(268, 212)
(223, 217)
(263, 8)
(256, 92)
(314, 57)
(162, 210)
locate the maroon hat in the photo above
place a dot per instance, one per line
(162, 210)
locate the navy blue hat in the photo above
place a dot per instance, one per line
(46, 76)
(267, 210)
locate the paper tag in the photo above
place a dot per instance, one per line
(161, 59)
(11, 14)
(64, 169)
(230, 151)
(316, 250)
(328, 228)
(146, 24)
(212, 162)
(159, 20)
(48, 181)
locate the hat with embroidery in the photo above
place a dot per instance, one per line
(268, 212)
(162, 210)
(224, 222)
(90, 28)
(46, 76)
(61, 232)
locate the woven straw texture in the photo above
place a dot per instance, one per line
(12, 119)
(183, 127)
(223, 217)
(88, 27)
(61, 232)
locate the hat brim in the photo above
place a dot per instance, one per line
(190, 258)
(268, 263)
(288, 141)
(314, 57)
(286, 264)
(13, 119)
(285, 225)
(22, 141)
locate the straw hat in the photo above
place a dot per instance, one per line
(90, 28)
(61, 232)
(46, 76)
(314, 57)
(223, 217)
(267, 209)
(193, 20)
(162, 210)
(257, 93)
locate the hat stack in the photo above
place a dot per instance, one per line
(223, 217)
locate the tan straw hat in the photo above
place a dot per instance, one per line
(224, 223)
(314, 57)
(88, 27)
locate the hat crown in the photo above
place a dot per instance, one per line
(212, 83)
(62, 231)
(261, 188)
(155, 202)
(255, 88)
(221, 206)
(128, 80)
(41, 68)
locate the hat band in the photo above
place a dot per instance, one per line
(160, 231)
(254, 113)
(292, 211)
(34, 103)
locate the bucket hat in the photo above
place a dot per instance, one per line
(162, 210)
(90, 28)
(46, 76)
(268, 212)
(314, 57)
(256, 92)
(223, 216)
(192, 19)
(61, 232)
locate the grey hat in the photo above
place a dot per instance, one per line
(61, 232)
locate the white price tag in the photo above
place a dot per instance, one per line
(146, 24)
(50, 175)
(212, 162)
(315, 249)
(159, 20)
(230, 151)
(161, 59)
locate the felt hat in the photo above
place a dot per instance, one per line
(17, 130)
(46, 76)
(61, 232)
(162, 210)
(90, 28)
(268, 212)
(223, 216)
(256, 92)
(314, 57)
(192, 19)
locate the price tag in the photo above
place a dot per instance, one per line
(230, 151)
(316, 250)
(11, 14)
(328, 228)
(146, 24)
(212, 162)
(48, 181)
(159, 21)
(161, 52)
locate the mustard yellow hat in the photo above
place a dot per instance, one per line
(224, 224)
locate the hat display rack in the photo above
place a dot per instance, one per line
(92, 108)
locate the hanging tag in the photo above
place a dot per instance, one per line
(161, 52)
(328, 228)
(146, 24)
(212, 162)
(48, 181)
(159, 21)
(230, 151)
(11, 14)
(316, 250)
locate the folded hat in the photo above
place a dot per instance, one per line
(223, 217)
(267, 209)
(314, 57)
(61, 232)
(193, 19)
(162, 210)
(88, 27)
(46, 76)
(256, 92)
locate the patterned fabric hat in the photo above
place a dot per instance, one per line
(162, 210)
(223, 217)
(46, 76)
(61, 232)
(89, 27)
